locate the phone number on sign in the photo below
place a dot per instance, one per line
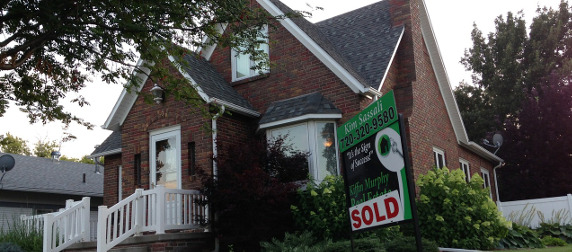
(377, 123)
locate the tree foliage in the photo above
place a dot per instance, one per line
(538, 145)
(253, 190)
(50, 48)
(44, 148)
(521, 89)
(508, 64)
(13, 144)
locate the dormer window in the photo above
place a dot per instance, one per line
(243, 65)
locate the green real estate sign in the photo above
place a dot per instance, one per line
(374, 166)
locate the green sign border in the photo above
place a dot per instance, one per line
(378, 115)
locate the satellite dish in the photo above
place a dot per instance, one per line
(7, 162)
(497, 140)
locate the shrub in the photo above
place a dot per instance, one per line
(321, 209)
(520, 236)
(304, 242)
(408, 244)
(563, 232)
(18, 236)
(458, 214)
(10, 247)
(553, 241)
(365, 244)
(252, 194)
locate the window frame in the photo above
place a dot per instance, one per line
(466, 168)
(252, 72)
(436, 153)
(486, 180)
(312, 134)
(159, 135)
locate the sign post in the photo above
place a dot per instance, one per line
(375, 167)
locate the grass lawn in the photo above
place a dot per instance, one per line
(551, 249)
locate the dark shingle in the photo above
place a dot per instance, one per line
(366, 39)
(313, 103)
(362, 41)
(211, 82)
(111, 143)
(36, 174)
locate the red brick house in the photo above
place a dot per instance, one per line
(320, 76)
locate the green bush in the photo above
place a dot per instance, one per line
(553, 241)
(304, 242)
(19, 235)
(458, 214)
(321, 209)
(10, 247)
(563, 232)
(520, 237)
(408, 244)
(366, 244)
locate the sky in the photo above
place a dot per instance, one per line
(452, 22)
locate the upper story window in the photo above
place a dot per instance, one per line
(486, 179)
(243, 65)
(464, 166)
(317, 138)
(439, 157)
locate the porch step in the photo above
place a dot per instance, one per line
(131, 249)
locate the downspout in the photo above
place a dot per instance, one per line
(501, 164)
(214, 132)
(215, 153)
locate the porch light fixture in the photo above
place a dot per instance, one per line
(158, 93)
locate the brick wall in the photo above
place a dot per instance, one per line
(294, 71)
(419, 98)
(110, 179)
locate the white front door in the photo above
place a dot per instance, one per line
(165, 157)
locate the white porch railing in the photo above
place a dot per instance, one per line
(154, 210)
(63, 228)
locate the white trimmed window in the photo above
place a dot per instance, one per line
(242, 64)
(486, 180)
(318, 138)
(439, 157)
(464, 166)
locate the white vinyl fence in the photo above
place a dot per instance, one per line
(535, 211)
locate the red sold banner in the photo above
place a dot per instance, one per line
(378, 211)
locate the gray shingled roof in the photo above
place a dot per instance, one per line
(362, 41)
(35, 174)
(313, 103)
(211, 82)
(365, 38)
(111, 143)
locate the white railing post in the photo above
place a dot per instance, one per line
(101, 228)
(160, 211)
(569, 198)
(139, 211)
(48, 232)
(85, 222)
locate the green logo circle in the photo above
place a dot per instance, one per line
(384, 145)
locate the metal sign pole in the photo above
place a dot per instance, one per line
(410, 184)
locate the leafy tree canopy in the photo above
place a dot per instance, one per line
(49, 48)
(537, 146)
(45, 148)
(508, 64)
(13, 144)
